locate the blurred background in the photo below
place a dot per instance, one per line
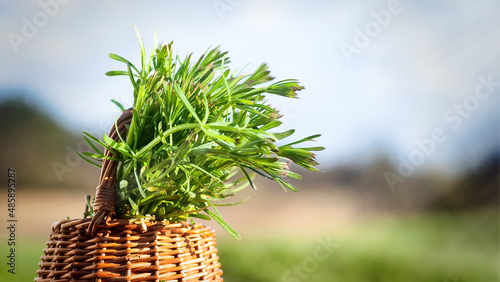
(405, 95)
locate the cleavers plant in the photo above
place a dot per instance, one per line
(195, 126)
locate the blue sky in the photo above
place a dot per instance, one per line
(413, 62)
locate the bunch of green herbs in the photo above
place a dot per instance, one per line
(195, 126)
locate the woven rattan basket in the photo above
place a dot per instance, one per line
(106, 249)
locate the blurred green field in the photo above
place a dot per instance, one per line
(433, 247)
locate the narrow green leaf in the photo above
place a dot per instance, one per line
(233, 204)
(119, 147)
(167, 133)
(91, 144)
(131, 77)
(98, 156)
(204, 171)
(309, 138)
(118, 104)
(286, 184)
(248, 177)
(143, 50)
(123, 60)
(91, 137)
(141, 191)
(283, 135)
(88, 160)
(270, 125)
(155, 45)
(286, 88)
(115, 73)
(313, 148)
(217, 217)
(186, 102)
(294, 175)
(201, 216)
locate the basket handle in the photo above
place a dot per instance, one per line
(105, 200)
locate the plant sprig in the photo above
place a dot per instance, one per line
(195, 125)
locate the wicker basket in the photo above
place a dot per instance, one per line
(105, 249)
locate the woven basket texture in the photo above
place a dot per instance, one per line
(130, 251)
(103, 249)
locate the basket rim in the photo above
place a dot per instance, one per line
(84, 222)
